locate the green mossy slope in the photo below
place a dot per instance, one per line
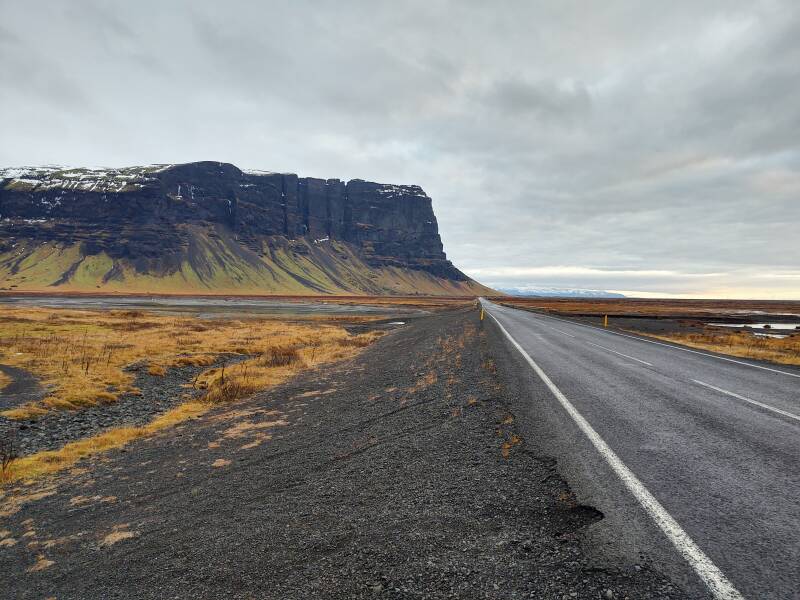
(215, 263)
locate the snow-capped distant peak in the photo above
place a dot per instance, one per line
(559, 292)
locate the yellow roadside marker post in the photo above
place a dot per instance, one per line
(605, 320)
(481, 313)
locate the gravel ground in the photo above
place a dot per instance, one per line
(24, 387)
(56, 428)
(398, 474)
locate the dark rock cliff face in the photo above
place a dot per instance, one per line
(142, 213)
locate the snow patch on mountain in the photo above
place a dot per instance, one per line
(88, 179)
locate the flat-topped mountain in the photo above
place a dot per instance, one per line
(209, 227)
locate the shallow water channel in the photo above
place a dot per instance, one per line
(207, 307)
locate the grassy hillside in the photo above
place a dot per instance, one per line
(214, 263)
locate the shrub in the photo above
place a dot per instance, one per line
(228, 391)
(356, 341)
(8, 454)
(280, 356)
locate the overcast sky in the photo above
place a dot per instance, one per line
(649, 147)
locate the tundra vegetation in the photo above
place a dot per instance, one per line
(652, 307)
(83, 359)
(746, 345)
(687, 322)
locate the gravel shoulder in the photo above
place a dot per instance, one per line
(402, 473)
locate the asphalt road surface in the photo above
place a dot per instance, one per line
(707, 447)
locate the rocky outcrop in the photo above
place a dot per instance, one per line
(145, 213)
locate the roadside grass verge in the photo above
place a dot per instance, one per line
(222, 384)
(745, 345)
(650, 307)
(278, 363)
(81, 356)
(50, 461)
(734, 343)
(4, 380)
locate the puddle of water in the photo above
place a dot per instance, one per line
(206, 307)
(778, 336)
(774, 330)
(759, 326)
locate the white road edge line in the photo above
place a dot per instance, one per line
(620, 353)
(719, 585)
(641, 339)
(785, 413)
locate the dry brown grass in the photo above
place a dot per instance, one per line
(43, 463)
(81, 355)
(156, 370)
(507, 445)
(785, 351)
(4, 380)
(734, 343)
(295, 348)
(279, 357)
(651, 307)
(116, 536)
(277, 363)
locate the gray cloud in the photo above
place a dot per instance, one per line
(639, 146)
(544, 99)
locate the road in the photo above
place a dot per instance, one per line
(709, 447)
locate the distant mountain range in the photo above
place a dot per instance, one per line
(559, 292)
(210, 227)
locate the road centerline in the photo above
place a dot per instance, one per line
(562, 331)
(644, 362)
(785, 413)
(715, 580)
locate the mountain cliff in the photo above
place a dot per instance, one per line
(209, 227)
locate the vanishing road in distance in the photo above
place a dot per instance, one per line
(708, 446)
